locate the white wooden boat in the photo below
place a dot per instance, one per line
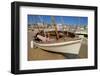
(72, 47)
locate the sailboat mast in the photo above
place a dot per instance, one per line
(43, 24)
(37, 23)
(56, 30)
(77, 25)
(63, 25)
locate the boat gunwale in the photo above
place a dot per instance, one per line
(58, 44)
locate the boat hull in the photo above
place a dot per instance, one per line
(72, 47)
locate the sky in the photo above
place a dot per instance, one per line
(72, 20)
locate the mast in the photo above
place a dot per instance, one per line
(78, 24)
(63, 25)
(43, 27)
(37, 23)
(56, 30)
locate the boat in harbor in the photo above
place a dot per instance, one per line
(62, 41)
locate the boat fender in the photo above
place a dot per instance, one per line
(31, 44)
